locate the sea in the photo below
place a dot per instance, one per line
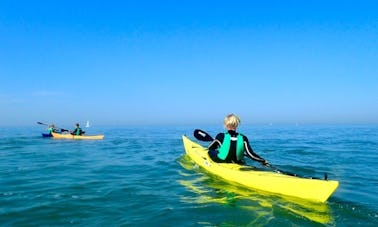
(140, 176)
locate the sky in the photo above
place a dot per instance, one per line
(188, 62)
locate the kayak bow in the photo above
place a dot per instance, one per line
(315, 190)
(46, 135)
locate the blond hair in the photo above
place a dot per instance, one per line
(231, 121)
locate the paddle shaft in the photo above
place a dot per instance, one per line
(61, 129)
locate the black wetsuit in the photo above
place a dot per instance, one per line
(77, 131)
(231, 157)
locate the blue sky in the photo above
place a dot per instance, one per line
(188, 62)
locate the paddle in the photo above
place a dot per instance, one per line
(204, 136)
(61, 129)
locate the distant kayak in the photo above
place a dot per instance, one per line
(315, 190)
(76, 137)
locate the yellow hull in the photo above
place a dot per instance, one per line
(69, 136)
(314, 190)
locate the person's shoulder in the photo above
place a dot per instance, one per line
(244, 136)
(220, 135)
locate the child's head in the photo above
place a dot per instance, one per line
(231, 121)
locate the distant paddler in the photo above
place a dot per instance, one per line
(77, 131)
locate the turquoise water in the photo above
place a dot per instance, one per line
(139, 176)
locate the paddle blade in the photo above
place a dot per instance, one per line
(40, 123)
(202, 135)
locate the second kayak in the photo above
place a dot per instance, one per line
(76, 137)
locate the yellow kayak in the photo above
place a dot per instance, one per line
(315, 190)
(75, 137)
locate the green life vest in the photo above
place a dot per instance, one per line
(225, 147)
(78, 131)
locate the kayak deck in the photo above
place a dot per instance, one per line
(314, 190)
(76, 137)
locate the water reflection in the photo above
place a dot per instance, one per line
(210, 189)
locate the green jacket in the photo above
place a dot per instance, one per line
(224, 149)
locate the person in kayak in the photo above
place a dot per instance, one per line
(51, 129)
(77, 131)
(230, 146)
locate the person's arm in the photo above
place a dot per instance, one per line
(81, 131)
(74, 131)
(216, 142)
(251, 154)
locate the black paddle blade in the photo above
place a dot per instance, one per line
(202, 135)
(40, 123)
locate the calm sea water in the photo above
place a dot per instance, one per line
(139, 176)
